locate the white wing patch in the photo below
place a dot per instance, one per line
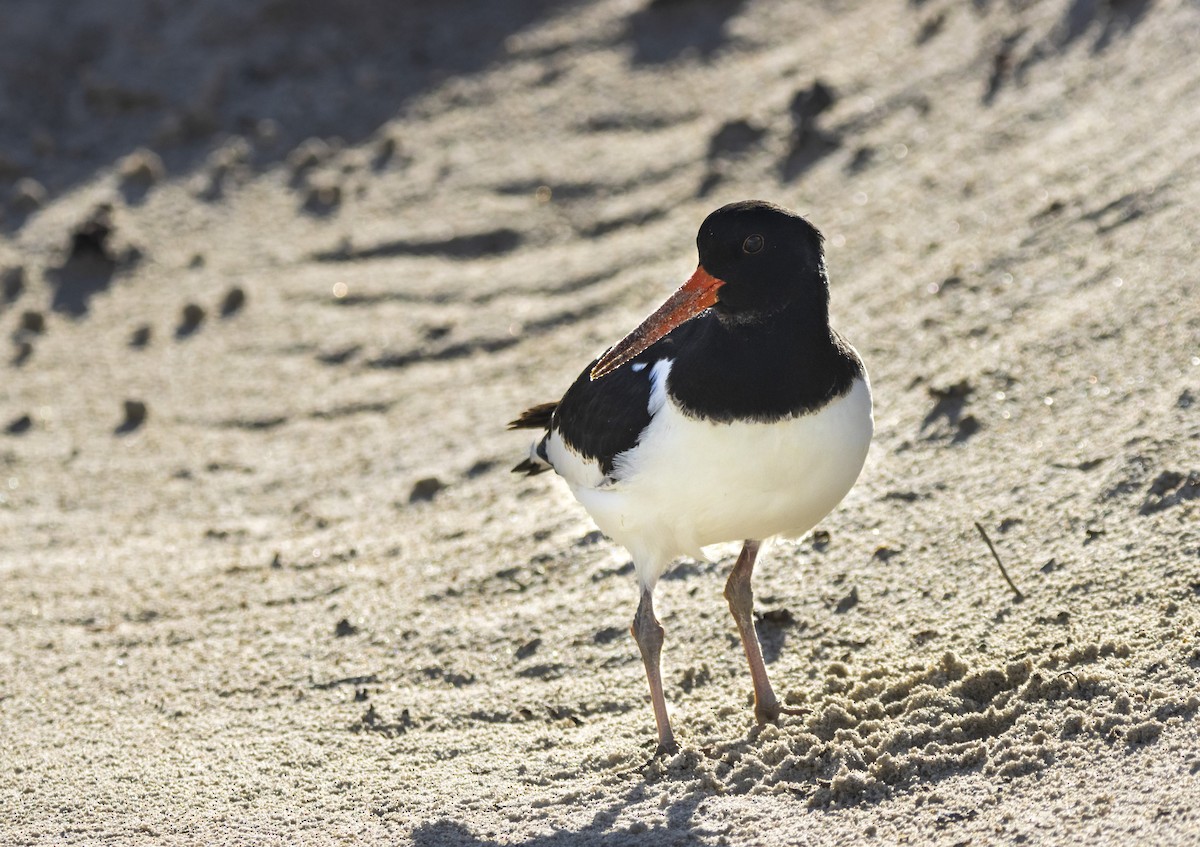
(658, 385)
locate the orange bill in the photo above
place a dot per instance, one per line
(692, 298)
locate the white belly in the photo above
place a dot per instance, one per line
(689, 483)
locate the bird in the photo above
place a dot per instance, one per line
(734, 412)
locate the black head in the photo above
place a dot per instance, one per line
(767, 257)
(756, 260)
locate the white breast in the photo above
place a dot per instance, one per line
(691, 482)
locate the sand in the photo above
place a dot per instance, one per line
(272, 280)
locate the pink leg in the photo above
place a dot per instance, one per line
(648, 633)
(741, 603)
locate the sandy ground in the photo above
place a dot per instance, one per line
(272, 280)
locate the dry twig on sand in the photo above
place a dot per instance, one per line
(996, 556)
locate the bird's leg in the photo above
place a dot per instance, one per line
(648, 633)
(741, 603)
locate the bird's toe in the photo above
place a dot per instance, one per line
(771, 713)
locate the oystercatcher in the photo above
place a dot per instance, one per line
(733, 413)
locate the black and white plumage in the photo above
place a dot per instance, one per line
(734, 412)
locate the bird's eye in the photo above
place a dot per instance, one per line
(753, 244)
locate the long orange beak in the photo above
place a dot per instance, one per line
(692, 298)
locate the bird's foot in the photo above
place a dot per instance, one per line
(656, 764)
(770, 713)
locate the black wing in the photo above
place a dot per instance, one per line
(600, 419)
(603, 418)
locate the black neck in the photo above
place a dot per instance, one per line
(780, 365)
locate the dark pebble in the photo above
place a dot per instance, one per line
(528, 648)
(425, 489)
(234, 300)
(140, 337)
(12, 283)
(23, 352)
(590, 538)
(34, 322)
(19, 425)
(323, 199)
(135, 416)
(190, 320)
(480, 468)
(90, 240)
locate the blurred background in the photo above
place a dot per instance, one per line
(275, 274)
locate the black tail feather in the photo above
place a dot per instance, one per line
(537, 417)
(530, 468)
